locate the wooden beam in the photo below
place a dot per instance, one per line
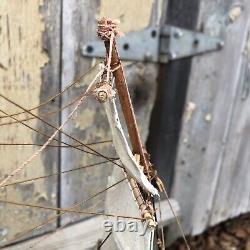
(85, 234)
(212, 168)
(170, 100)
(29, 75)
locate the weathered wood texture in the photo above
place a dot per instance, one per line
(212, 175)
(78, 27)
(29, 74)
(83, 234)
(172, 86)
(116, 204)
(40, 55)
(90, 124)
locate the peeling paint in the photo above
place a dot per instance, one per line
(21, 60)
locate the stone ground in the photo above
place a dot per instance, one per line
(230, 235)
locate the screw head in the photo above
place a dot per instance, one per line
(173, 55)
(178, 34)
(220, 44)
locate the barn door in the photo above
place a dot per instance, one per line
(29, 75)
(90, 125)
(211, 173)
(40, 54)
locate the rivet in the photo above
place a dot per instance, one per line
(178, 34)
(220, 44)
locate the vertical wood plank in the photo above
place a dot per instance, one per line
(79, 27)
(170, 100)
(211, 100)
(29, 74)
(233, 190)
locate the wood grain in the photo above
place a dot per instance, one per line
(29, 74)
(79, 27)
(85, 234)
(209, 181)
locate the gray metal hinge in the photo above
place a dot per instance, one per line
(158, 44)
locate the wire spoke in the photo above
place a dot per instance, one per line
(54, 146)
(21, 235)
(163, 246)
(59, 141)
(55, 174)
(76, 209)
(39, 151)
(52, 126)
(105, 239)
(43, 115)
(55, 96)
(68, 210)
(177, 219)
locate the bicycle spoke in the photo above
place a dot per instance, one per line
(68, 210)
(60, 214)
(59, 141)
(177, 219)
(55, 96)
(52, 126)
(40, 150)
(55, 174)
(105, 239)
(43, 115)
(54, 146)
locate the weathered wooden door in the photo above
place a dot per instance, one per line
(29, 75)
(212, 171)
(208, 117)
(40, 54)
(199, 133)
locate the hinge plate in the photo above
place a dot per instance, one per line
(157, 44)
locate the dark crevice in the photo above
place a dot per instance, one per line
(173, 81)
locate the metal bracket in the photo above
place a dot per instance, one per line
(158, 44)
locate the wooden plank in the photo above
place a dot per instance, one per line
(213, 88)
(233, 190)
(126, 204)
(29, 74)
(79, 27)
(85, 234)
(170, 100)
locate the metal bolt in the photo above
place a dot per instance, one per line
(172, 55)
(178, 34)
(220, 44)
(102, 96)
(196, 43)
(89, 49)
